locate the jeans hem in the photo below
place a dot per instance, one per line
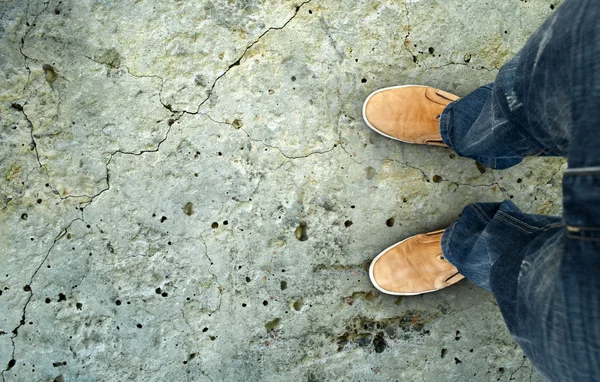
(444, 125)
(446, 236)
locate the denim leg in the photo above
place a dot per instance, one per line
(475, 126)
(529, 108)
(468, 242)
(543, 271)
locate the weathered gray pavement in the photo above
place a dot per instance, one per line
(188, 191)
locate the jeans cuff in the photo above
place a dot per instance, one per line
(445, 119)
(446, 242)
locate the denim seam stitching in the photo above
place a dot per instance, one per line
(550, 226)
(583, 238)
(533, 153)
(515, 222)
(586, 228)
(481, 213)
(519, 221)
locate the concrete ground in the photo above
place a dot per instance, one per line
(188, 191)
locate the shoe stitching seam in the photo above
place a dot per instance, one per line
(434, 101)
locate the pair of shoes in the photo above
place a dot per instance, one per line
(416, 265)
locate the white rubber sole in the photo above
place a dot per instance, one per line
(364, 110)
(382, 290)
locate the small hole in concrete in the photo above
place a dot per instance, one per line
(390, 222)
(298, 305)
(348, 223)
(301, 232)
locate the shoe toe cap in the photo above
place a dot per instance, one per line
(377, 114)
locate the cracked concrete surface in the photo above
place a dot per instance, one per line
(188, 191)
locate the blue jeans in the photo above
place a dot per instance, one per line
(544, 271)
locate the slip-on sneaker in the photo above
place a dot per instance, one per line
(413, 266)
(409, 113)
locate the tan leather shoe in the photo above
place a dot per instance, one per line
(413, 266)
(408, 113)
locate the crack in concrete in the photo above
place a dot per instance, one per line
(405, 164)
(174, 118)
(216, 279)
(266, 144)
(458, 184)
(496, 184)
(282, 152)
(481, 67)
(422, 64)
(139, 153)
(15, 331)
(33, 142)
(406, 40)
(183, 112)
(519, 368)
(22, 42)
(262, 177)
(136, 75)
(238, 61)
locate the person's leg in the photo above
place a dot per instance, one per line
(476, 127)
(542, 270)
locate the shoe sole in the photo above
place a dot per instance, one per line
(364, 110)
(385, 290)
